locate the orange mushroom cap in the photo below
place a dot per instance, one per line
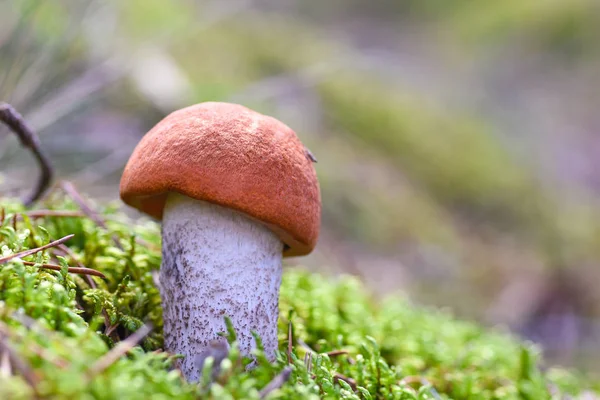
(232, 156)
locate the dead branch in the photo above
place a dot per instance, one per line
(72, 270)
(308, 361)
(89, 212)
(5, 368)
(53, 213)
(303, 344)
(37, 249)
(19, 364)
(339, 377)
(67, 251)
(72, 192)
(290, 339)
(119, 350)
(336, 353)
(32, 346)
(11, 118)
(276, 382)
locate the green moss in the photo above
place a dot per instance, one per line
(55, 323)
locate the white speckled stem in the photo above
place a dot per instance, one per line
(216, 262)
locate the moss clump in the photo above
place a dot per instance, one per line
(55, 326)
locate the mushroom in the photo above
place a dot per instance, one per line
(236, 191)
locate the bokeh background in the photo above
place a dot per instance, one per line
(458, 141)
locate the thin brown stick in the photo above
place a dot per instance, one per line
(109, 329)
(37, 249)
(339, 377)
(336, 353)
(19, 364)
(72, 270)
(34, 347)
(2, 215)
(67, 251)
(290, 338)
(145, 243)
(26, 321)
(11, 118)
(70, 190)
(276, 382)
(308, 357)
(53, 213)
(5, 368)
(409, 380)
(303, 344)
(43, 353)
(89, 212)
(119, 350)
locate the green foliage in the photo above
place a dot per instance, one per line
(452, 157)
(55, 326)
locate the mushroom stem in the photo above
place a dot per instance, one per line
(216, 262)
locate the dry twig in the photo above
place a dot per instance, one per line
(32, 346)
(53, 213)
(336, 353)
(72, 192)
(19, 364)
(37, 249)
(339, 377)
(66, 251)
(276, 382)
(107, 325)
(88, 211)
(305, 345)
(119, 350)
(72, 270)
(11, 118)
(308, 361)
(289, 348)
(5, 368)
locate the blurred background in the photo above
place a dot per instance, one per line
(458, 141)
